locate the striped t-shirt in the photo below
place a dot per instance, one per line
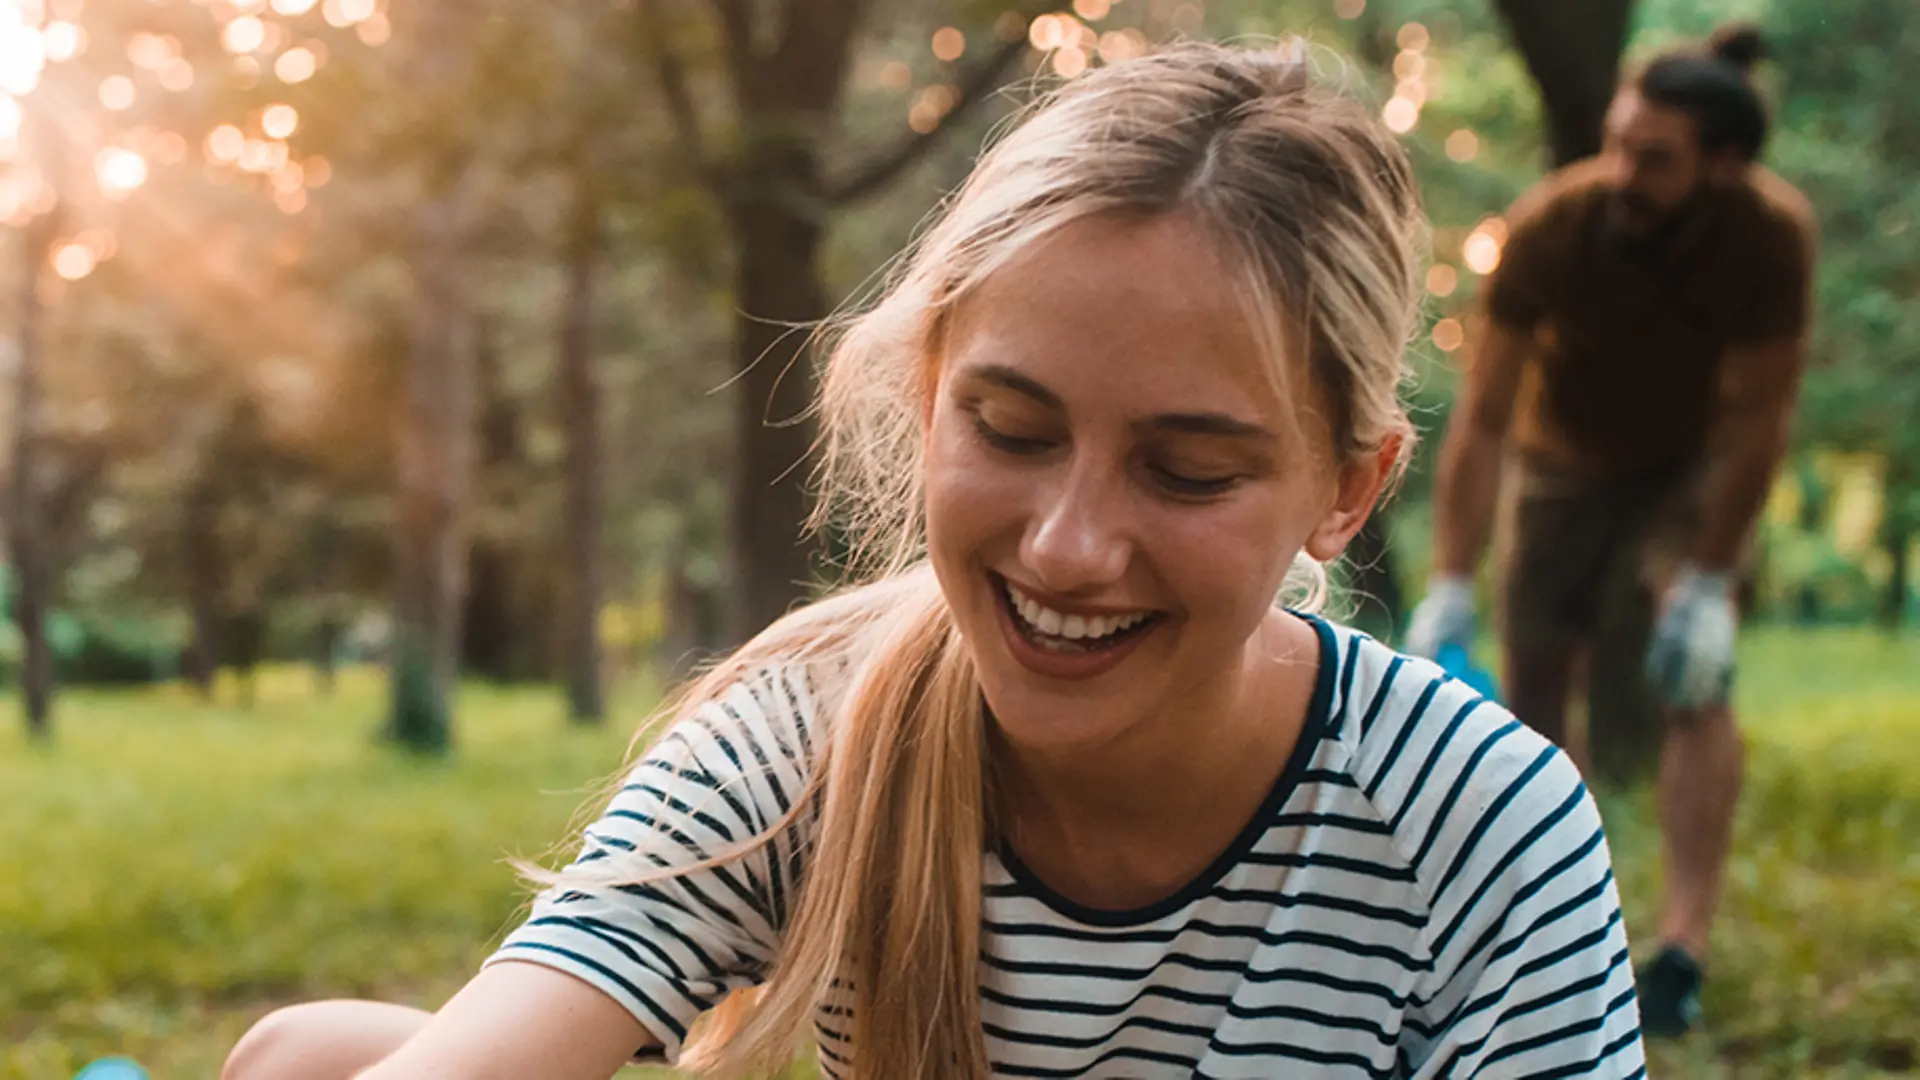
(1426, 892)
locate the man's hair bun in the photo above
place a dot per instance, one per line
(1739, 44)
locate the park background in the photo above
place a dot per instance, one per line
(385, 419)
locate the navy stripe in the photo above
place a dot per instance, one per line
(1407, 728)
(674, 1026)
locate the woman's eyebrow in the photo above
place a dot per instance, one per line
(1205, 423)
(1180, 423)
(1007, 378)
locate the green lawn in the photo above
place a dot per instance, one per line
(170, 870)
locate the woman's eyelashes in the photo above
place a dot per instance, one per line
(1183, 482)
(1193, 487)
(1023, 445)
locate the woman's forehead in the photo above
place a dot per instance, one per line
(1150, 313)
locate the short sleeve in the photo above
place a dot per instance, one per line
(1781, 308)
(1518, 294)
(1530, 975)
(670, 947)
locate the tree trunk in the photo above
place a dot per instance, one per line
(1572, 49)
(32, 561)
(1898, 540)
(492, 627)
(435, 458)
(585, 497)
(202, 565)
(777, 233)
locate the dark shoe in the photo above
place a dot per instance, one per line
(1669, 989)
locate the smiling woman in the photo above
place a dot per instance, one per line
(1061, 788)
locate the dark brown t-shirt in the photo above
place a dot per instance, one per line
(1628, 347)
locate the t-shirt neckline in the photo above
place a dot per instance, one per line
(1312, 731)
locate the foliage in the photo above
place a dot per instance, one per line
(171, 870)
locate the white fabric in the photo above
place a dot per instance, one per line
(1690, 660)
(1444, 617)
(1426, 893)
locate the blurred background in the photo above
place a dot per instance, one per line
(381, 429)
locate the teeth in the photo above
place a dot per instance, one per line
(1071, 627)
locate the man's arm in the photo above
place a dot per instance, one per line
(1750, 436)
(1467, 484)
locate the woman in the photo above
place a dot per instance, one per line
(1062, 790)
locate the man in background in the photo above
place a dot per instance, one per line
(1622, 416)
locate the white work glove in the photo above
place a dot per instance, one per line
(1690, 661)
(1445, 617)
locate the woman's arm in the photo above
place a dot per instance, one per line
(519, 1021)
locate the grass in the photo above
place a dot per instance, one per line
(170, 870)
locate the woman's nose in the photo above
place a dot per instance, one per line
(1080, 537)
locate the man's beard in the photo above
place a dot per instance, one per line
(1649, 231)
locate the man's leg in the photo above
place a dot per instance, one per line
(1701, 765)
(1539, 683)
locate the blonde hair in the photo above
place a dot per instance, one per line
(1317, 205)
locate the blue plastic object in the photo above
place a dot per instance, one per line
(113, 1069)
(1460, 665)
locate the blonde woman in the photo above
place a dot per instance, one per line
(1062, 789)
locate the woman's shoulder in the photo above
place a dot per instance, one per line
(1433, 752)
(768, 709)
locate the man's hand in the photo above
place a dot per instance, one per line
(1445, 617)
(1690, 662)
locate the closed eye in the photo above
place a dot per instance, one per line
(1012, 444)
(1193, 486)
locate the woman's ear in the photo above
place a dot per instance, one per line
(1360, 482)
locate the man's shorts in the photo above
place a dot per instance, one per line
(1582, 558)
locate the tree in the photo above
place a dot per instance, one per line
(785, 68)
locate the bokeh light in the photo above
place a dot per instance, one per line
(293, 7)
(374, 30)
(949, 43)
(62, 40)
(119, 170)
(895, 75)
(317, 171)
(930, 106)
(296, 65)
(1463, 145)
(1442, 279)
(1048, 32)
(243, 35)
(1449, 335)
(291, 202)
(10, 117)
(74, 261)
(1070, 61)
(23, 54)
(1481, 252)
(280, 121)
(1409, 65)
(1349, 9)
(149, 51)
(1118, 45)
(225, 144)
(1092, 10)
(1400, 115)
(116, 93)
(1413, 37)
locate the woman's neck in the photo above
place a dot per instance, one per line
(1174, 784)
